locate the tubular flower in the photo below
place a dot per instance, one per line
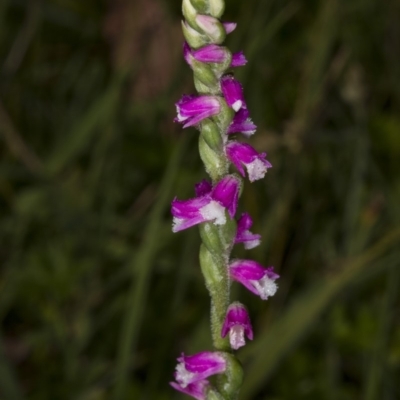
(213, 53)
(198, 389)
(256, 278)
(198, 367)
(226, 192)
(193, 109)
(243, 234)
(242, 154)
(233, 92)
(237, 324)
(209, 205)
(241, 123)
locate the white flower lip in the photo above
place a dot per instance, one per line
(214, 211)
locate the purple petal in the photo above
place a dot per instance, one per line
(233, 92)
(229, 26)
(226, 192)
(202, 188)
(197, 389)
(238, 59)
(254, 277)
(204, 361)
(243, 234)
(187, 213)
(199, 117)
(193, 109)
(242, 154)
(211, 54)
(241, 123)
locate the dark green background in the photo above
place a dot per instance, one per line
(98, 297)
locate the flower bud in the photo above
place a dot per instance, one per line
(212, 28)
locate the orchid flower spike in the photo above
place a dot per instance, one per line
(256, 278)
(243, 234)
(209, 205)
(242, 154)
(237, 324)
(233, 92)
(198, 367)
(193, 109)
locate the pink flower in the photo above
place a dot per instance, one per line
(193, 109)
(237, 324)
(256, 278)
(209, 205)
(242, 154)
(198, 367)
(229, 26)
(238, 59)
(243, 234)
(213, 53)
(233, 92)
(198, 389)
(241, 123)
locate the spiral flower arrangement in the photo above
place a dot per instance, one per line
(218, 111)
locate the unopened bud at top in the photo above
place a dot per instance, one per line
(211, 27)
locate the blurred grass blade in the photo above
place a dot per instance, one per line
(82, 132)
(9, 388)
(189, 253)
(378, 360)
(262, 36)
(142, 263)
(16, 143)
(266, 353)
(322, 39)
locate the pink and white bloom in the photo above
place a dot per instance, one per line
(226, 192)
(244, 155)
(198, 367)
(197, 390)
(256, 278)
(213, 53)
(243, 234)
(209, 205)
(193, 109)
(241, 123)
(233, 92)
(237, 324)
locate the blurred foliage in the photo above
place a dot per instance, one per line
(98, 297)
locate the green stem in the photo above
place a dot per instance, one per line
(217, 240)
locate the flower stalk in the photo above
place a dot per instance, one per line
(219, 111)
